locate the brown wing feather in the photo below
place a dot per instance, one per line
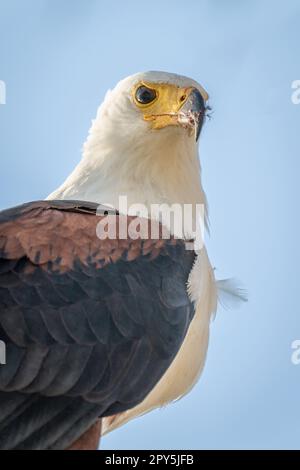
(90, 325)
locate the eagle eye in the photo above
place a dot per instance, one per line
(145, 95)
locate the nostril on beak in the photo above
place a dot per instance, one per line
(182, 98)
(192, 111)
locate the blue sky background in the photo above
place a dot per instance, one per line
(59, 57)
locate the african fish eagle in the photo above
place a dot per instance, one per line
(101, 330)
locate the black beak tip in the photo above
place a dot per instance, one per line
(195, 106)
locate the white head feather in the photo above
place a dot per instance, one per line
(123, 155)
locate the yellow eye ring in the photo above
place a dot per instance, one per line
(145, 96)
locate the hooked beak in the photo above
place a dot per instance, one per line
(174, 106)
(191, 114)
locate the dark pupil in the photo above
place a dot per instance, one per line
(145, 95)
